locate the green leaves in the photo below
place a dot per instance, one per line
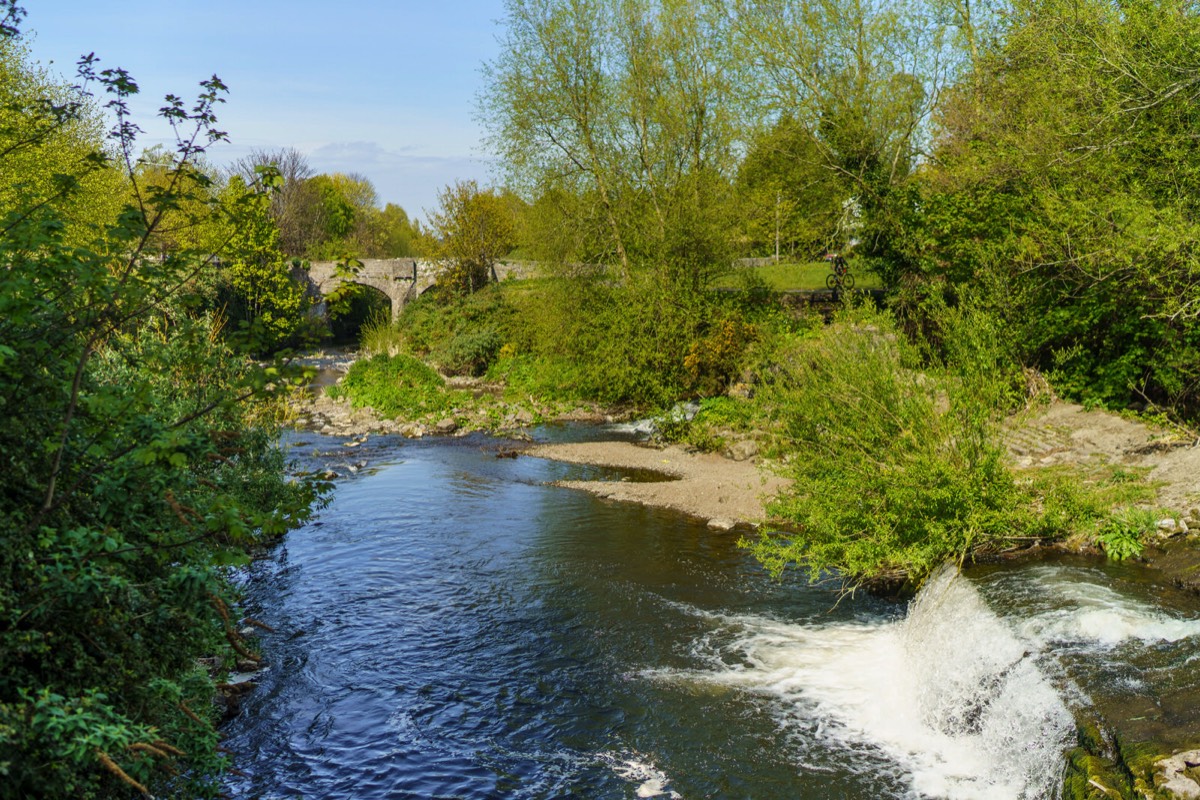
(136, 475)
(473, 229)
(894, 470)
(620, 114)
(396, 386)
(1064, 182)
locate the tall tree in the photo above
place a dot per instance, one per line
(789, 198)
(472, 230)
(399, 236)
(861, 79)
(296, 207)
(263, 293)
(624, 104)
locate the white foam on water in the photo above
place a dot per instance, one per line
(950, 693)
(652, 782)
(1085, 612)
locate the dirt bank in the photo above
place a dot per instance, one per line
(1065, 433)
(713, 487)
(705, 485)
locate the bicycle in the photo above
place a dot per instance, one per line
(840, 278)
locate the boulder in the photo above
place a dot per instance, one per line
(742, 450)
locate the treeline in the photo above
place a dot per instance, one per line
(138, 439)
(263, 219)
(1037, 156)
(326, 217)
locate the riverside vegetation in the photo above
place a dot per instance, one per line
(1020, 177)
(1005, 213)
(138, 437)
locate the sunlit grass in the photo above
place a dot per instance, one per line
(795, 275)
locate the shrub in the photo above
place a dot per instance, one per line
(136, 474)
(895, 469)
(469, 352)
(1121, 535)
(714, 360)
(395, 386)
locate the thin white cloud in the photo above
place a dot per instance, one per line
(401, 175)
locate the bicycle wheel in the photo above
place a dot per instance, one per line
(848, 281)
(831, 281)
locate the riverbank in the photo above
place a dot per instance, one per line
(1119, 750)
(1067, 435)
(735, 488)
(724, 492)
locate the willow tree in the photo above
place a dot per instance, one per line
(625, 107)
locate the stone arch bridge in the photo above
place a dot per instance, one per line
(401, 279)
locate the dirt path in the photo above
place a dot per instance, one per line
(1065, 433)
(708, 486)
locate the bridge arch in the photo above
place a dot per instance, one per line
(401, 279)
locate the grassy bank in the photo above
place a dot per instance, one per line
(891, 434)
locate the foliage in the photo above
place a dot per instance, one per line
(329, 216)
(395, 386)
(185, 193)
(471, 230)
(378, 335)
(894, 469)
(428, 326)
(713, 360)
(1062, 181)
(136, 473)
(262, 293)
(1121, 535)
(296, 206)
(469, 353)
(398, 235)
(616, 117)
(49, 134)
(850, 85)
(788, 198)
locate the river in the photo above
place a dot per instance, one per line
(452, 627)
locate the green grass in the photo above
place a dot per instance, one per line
(795, 275)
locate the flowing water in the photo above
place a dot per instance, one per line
(452, 627)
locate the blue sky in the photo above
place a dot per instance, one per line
(386, 89)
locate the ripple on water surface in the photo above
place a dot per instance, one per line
(451, 627)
